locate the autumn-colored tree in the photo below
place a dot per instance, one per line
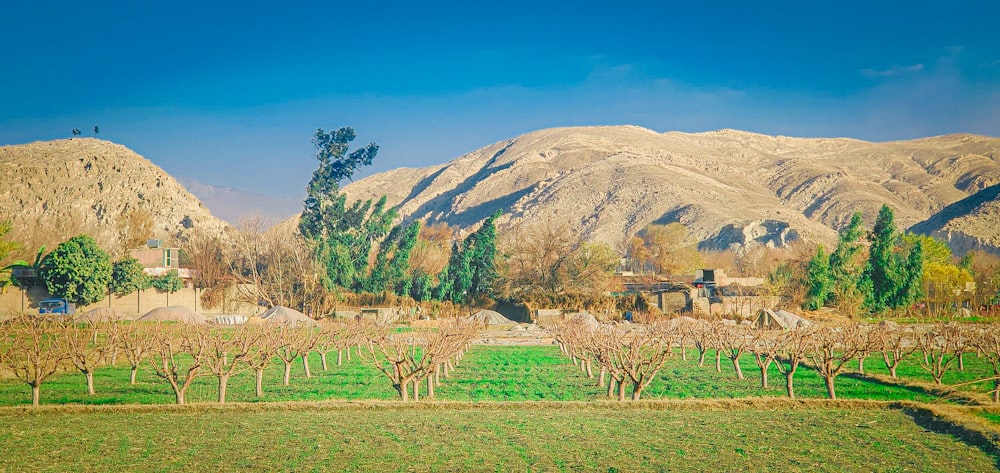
(666, 249)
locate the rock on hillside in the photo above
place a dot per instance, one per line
(731, 188)
(972, 223)
(88, 184)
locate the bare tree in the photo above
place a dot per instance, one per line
(830, 351)
(895, 344)
(766, 347)
(734, 341)
(228, 351)
(940, 346)
(794, 346)
(86, 347)
(34, 351)
(178, 355)
(261, 355)
(136, 341)
(296, 342)
(987, 342)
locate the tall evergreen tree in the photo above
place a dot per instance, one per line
(891, 278)
(819, 280)
(342, 236)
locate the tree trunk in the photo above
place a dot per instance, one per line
(179, 394)
(430, 388)
(349, 353)
(340, 357)
(131, 377)
(416, 390)
(684, 353)
(736, 366)
(590, 372)
(701, 357)
(892, 371)
(223, 383)
(789, 387)
(636, 390)
(305, 364)
(437, 374)
(861, 365)
(718, 361)
(600, 382)
(36, 394)
(90, 381)
(621, 390)
(260, 381)
(611, 386)
(996, 391)
(830, 391)
(404, 392)
(763, 376)
(322, 357)
(961, 361)
(288, 373)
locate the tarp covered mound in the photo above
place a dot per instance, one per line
(490, 318)
(174, 313)
(586, 319)
(779, 319)
(104, 314)
(233, 319)
(284, 316)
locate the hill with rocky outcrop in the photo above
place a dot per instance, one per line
(52, 190)
(730, 188)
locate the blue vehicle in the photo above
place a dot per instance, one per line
(56, 306)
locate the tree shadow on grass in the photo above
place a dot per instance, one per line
(987, 442)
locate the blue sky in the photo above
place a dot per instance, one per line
(230, 93)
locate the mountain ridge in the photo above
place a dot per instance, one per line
(609, 182)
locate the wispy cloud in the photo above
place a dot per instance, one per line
(893, 71)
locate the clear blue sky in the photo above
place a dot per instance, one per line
(230, 94)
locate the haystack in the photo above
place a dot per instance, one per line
(174, 313)
(104, 314)
(285, 316)
(490, 317)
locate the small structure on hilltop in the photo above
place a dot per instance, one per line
(285, 316)
(490, 317)
(174, 313)
(781, 319)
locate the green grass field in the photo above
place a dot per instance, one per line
(487, 418)
(476, 437)
(489, 373)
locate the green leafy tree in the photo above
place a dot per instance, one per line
(891, 278)
(471, 269)
(77, 270)
(168, 283)
(127, 276)
(819, 280)
(342, 236)
(845, 261)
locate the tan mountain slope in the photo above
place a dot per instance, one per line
(729, 187)
(972, 223)
(53, 190)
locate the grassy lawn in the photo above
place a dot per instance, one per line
(502, 437)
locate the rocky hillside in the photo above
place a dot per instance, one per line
(731, 188)
(52, 190)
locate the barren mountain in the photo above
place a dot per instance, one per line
(729, 187)
(58, 188)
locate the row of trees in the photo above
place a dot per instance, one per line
(35, 349)
(83, 273)
(634, 354)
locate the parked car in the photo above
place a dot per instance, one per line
(56, 306)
